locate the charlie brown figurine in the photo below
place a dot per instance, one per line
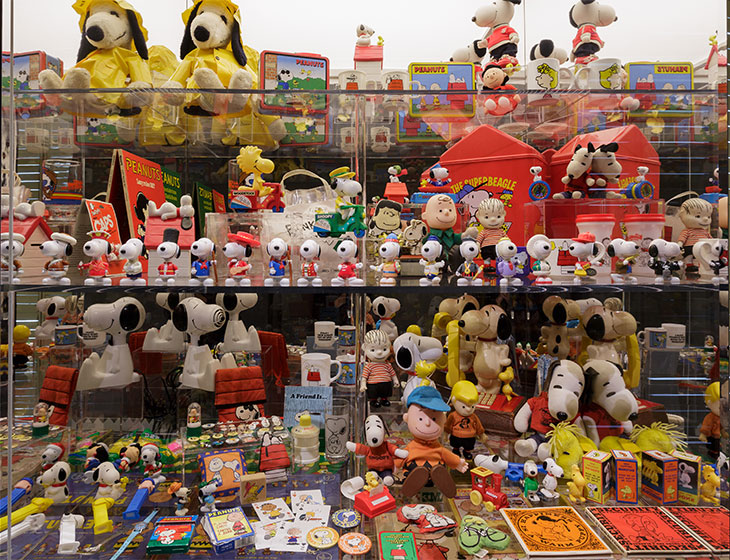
(711, 430)
(427, 458)
(441, 216)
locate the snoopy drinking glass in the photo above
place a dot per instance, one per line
(337, 431)
(62, 189)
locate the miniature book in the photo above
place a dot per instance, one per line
(172, 535)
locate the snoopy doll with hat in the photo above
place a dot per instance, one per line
(589, 253)
(113, 54)
(168, 251)
(389, 269)
(57, 249)
(98, 249)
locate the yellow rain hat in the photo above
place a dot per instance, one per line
(342, 173)
(83, 6)
(225, 4)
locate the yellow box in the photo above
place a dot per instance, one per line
(597, 472)
(689, 467)
(626, 475)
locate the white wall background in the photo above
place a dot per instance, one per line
(414, 30)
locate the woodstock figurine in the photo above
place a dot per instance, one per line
(577, 485)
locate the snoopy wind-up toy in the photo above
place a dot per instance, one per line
(114, 367)
(238, 250)
(213, 57)
(8, 268)
(309, 252)
(57, 249)
(132, 250)
(113, 54)
(97, 248)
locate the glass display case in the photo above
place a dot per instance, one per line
(273, 239)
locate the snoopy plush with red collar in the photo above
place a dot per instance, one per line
(586, 16)
(501, 39)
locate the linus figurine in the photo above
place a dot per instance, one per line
(462, 425)
(696, 216)
(378, 376)
(427, 458)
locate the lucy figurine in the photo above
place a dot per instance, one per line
(589, 253)
(132, 250)
(389, 269)
(309, 252)
(238, 250)
(468, 272)
(491, 215)
(168, 251)
(626, 253)
(378, 376)
(347, 252)
(665, 261)
(278, 251)
(202, 269)
(462, 425)
(430, 253)
(696, 216)
(97, 268)
(58, 249)
(539, 247)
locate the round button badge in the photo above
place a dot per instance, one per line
(322, 537)
(355, 544)
(346, 518)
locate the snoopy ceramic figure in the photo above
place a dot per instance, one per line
(665, 260)
(58, 249)
(203, 270)
(626, 253)
(539, 247)
(364, 35)
(236, 338)
(132, 250)
(238, 250)
(430, 253)
(97, 268)
(309, 252)
(278, 251)
(167, 338)
(8, 269)
(389, 268)
(347, 252)
(114, 368)
(501, 40)
(589, 253)
(468, 272)
(168, 251)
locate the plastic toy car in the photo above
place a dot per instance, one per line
(332, 224)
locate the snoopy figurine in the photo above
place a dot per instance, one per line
(585, 16)
(540, 247)
(665, 260)
(309, 252)
(167, 338)
(389, 269)
(238, 250)
(589, 253)
(236, 337)
(97, 268)
(549, 485)
(347, 252)
(277, 250)
(364, 35)
(57, 249)
(507, 265)
(168, 251)
(501, 40)
(132, 250)
(395, 172)
(430, 253)
(18, 245)
(468, 271)
(150, 457)
(201, 268)
(626, 252)
(54, 481)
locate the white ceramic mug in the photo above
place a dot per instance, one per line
(653, 337)
(546, 73)
(317, 370)
(676, 335)
(604, 73)
(325, 334)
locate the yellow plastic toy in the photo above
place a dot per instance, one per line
(36, 505)
(651, 471)
(710, 484)
(113, 54)
(102, 523)
(577, 485)
(453, 344)
(568, 445)
(506, 377)
(253, 166)
(372, 481)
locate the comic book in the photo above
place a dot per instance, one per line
(710, 524)
(556, 532)
(395, 545)
(645, 530)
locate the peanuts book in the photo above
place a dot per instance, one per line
(172, 534)
(645, 529)
(710, 524)
(554, 532)
(228, 529)
(397, 546)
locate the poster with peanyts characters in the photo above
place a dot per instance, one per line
(287, 72)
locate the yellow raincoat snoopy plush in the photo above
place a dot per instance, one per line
(113, 54)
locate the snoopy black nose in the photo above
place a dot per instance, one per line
(87, 247)
(570, 176)
(633, 416)
(95, 33)
(562, 416)
(462, 324)
(201, 33)
(474, 19)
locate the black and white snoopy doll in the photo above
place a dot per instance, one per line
(57, 249)
(585, 16)
(202, 269)
(97, 268)
(114, 368)
(309, 252)
(17, 245)
(347, 252)
(54, 481)
(278, 250)
(236, 337)
(132, 250)
(168, 251)
(501, 40)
